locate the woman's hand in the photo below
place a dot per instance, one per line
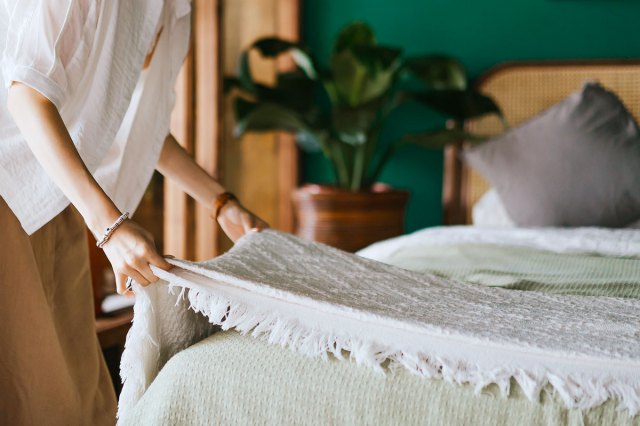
(130, 250)
(235, 220)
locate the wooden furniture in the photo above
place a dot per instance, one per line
(522, 90)
(112, 334)
(112, 330)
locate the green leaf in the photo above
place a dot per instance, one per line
(354, 34)
(459, 104)
(252, 116)
(353, 125)
(312, 141)
(262, 117)
(292, 90)
(349, 77)
(377, 58)
(296, 90)
(272, 47)
(304, 61)
(439, 139)
(331, 90)
(231, 83)
(244, 72)
(242, 108)
(360, 69)
(438, 71)
(383, 64)
(364, 75)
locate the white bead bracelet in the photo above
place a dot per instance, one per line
(107, 234)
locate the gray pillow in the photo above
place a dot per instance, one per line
(575, 164)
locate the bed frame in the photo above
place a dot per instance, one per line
(522, 90)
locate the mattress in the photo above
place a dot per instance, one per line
(242, 380)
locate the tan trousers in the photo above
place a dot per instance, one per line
(51, 367)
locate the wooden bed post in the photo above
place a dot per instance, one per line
(452, 186)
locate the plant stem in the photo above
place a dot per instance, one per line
(358, 167)
(340, 165)
(369, 151)
(384, 159)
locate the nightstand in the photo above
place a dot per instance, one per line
(112, 330)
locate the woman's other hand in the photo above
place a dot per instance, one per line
(235, 220)
(131, 250)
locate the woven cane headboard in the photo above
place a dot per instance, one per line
(523, 90)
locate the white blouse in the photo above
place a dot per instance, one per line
(87, 56)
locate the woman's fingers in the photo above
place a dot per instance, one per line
(155, 259)
(260, 225)
(251, 222)
(139, 267)
(131, 251)
(237, 221)
(130, 271)
(248, 222)
(142, 266)
(121, 283)
(140, 271)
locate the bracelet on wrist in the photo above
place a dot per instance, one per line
(219, 202)
(107, 234)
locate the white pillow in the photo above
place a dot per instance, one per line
(489, 212)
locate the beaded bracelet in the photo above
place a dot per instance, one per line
(220, 202)
(107, 234)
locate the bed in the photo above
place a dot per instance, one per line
(229, 378)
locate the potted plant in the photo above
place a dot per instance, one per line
(341, 111)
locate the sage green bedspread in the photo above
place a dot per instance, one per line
(238, 380)
(522, 268)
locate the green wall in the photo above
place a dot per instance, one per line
(481, 34)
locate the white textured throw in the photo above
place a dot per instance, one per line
(318, 300)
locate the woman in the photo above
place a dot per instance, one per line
(84, 120)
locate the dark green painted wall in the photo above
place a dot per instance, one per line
(481, 34)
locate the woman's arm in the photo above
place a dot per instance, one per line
(176, 164)
(130, 249)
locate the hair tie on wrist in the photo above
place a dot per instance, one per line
(220, 202)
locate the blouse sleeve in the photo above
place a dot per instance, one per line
(45, 46)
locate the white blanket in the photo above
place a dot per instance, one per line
(318, 300)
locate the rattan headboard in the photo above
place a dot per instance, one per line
(523, 90)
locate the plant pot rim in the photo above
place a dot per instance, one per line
(376, 188)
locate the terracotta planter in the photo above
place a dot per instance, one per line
(349, 220)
